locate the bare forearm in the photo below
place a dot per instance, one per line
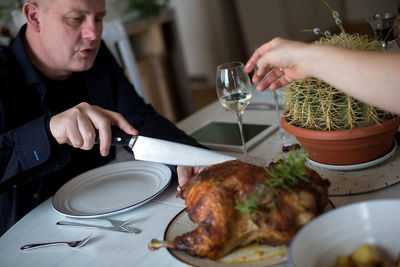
(372, 77)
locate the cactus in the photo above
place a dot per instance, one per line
(314, 104)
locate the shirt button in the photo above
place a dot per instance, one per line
(36, 196)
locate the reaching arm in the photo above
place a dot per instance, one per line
(372, 77)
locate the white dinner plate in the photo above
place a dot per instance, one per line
(111, 189)
(354, 167)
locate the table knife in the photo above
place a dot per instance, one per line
(109, 228)
(167, 152)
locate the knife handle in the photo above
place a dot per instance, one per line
(119, 138)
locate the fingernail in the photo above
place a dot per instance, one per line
(104, 152)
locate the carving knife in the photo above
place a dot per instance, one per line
(167, 152)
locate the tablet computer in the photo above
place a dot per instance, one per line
(225, 136)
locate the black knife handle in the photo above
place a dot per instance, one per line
(119, 138)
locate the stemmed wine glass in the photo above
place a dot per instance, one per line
(234, 91)
(282, 137)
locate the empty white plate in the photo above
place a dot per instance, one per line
(111, 189)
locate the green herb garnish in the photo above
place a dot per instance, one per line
(284, 174)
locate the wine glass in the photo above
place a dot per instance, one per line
(234, 91)
(281, 137)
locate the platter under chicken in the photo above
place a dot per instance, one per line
(256, 254)
(241, 213)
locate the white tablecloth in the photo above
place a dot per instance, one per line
(120, 249)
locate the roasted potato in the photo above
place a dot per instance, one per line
(366, 256)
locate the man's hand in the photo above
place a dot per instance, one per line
(77, 126)
(185, 173)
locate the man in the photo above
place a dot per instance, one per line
(59, 85)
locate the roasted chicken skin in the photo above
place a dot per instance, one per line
(211, 199)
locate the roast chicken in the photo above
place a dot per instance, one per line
(212, 199)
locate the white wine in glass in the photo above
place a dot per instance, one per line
(234, 92)
(236, 102)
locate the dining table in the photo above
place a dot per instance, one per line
(108, 248)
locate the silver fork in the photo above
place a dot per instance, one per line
(72, 244)
(123, 225)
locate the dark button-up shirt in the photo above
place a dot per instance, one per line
(32, 165)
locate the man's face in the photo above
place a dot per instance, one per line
(70, 33)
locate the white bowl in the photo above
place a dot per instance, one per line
(343, 230)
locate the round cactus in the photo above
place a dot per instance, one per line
(314, 104)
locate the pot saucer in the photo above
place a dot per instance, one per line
(354, 167)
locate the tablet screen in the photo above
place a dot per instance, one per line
(227, 135)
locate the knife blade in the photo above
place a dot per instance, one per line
(109, 228)
(167, 152)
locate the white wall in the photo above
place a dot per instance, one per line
(209, 35)
(115, 9)
(196, 35)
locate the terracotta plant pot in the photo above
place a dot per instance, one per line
(346, 147)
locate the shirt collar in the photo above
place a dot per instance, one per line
(19, 52)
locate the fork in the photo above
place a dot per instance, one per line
(123, 225)
(72, 244)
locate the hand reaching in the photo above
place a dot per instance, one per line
(276, 63)
(77, 126)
